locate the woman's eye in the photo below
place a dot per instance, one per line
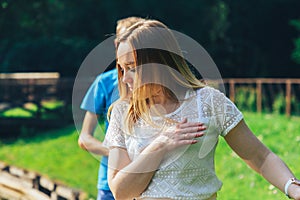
(121, 69)
(132, 69)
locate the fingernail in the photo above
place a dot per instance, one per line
(200, 134)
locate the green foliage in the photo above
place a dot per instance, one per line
(295, 105)
(42, 54)
(279, 104)
(245, 98)
(45, 35)
(296, 52)
(54, 35)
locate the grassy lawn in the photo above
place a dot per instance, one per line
(56, 154)
(281, 135)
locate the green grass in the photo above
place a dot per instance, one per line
(16, 112)
(281, 135)
(57, 155)
(29, 110)
(54, 104)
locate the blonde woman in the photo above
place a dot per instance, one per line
(163, 131)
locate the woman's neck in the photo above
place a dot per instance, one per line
(168, 104)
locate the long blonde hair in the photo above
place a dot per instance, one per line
(160, 65)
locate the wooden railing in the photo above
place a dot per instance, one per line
(287, 86)
(19, 88)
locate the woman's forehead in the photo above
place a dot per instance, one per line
(125, 53)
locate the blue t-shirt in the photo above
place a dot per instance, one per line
(101, 94)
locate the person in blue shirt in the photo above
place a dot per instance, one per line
(101, 94)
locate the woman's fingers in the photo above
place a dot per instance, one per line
(190, 127)
(190, 136)
(185, 133)
(184, 124)
(188, 131)
(183, 121)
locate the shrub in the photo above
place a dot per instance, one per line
(279, 104)
(245, 98)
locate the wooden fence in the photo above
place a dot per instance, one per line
(18, 89)
(288, 87)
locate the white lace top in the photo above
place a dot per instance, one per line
(188, 172)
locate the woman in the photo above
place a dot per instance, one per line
(163, 131)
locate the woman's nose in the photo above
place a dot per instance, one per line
(126, 77)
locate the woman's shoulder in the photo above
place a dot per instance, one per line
(200, 92)
(121, 105)
(208, 90)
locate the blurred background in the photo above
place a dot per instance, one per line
(255, 45)
(245, 38)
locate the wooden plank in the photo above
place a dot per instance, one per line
(16, 186)
(67, 193)
(258, 95)
(288, 98)
(30, 75)
(48, 184)
(3, 166)
(232, 90)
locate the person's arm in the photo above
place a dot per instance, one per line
(128, 179)
(260, 158)
(86, 139)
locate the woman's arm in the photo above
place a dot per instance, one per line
(260, 158)
(128, 179)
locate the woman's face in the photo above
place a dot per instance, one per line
(126, 62)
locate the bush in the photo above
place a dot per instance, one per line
(295, 105)
(245, 98)
(279, 104)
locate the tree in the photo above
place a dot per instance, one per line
(296, 52)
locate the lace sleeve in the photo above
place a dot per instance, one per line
(228, 115)
(217, 105)
(115, 136)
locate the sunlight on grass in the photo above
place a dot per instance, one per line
(239, 181)
(29, 110)
(52, 104)
(16, 112)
